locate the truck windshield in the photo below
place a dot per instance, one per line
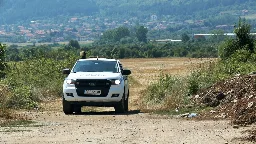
(96, 66)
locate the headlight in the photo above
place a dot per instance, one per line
(70, 81)
(115, 82)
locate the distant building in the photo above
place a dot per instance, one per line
(153, 18)
(166, 40)
(206, 35)
(74, 19)
(245, 12)
(81, 38)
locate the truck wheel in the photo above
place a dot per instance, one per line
(126, 104)
(77, 109)
(120, 106)
(67, 107)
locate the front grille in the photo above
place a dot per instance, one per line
(80, 83)
(88, 84)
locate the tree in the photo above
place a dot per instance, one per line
(120, 33)
(12, 53)
(141, 34)
(114, 53)
(243, 41)
(218, 36)
(108, 35)
(185, 37)
(243, 36)
(73, 44)
(3, 64)
(115, 35)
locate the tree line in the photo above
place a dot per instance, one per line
(118, 50)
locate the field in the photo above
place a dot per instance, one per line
(146, 71)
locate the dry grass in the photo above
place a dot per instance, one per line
(147, 71)
(4, 96)
(7, 114)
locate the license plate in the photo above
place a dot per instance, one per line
(92, 92)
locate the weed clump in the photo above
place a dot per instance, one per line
(167, 92)
(33, 80)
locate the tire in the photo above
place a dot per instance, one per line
(120, 106)
(77, 109)
(126, 104)
(67, 107)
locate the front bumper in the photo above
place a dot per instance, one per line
(115, 94)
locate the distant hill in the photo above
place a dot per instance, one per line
(15, 11)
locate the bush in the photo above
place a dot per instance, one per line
(243, 42)
(22, 98)
(5, 95)
(3, 64)
(33, 80)
(193, 84)
(166, 93)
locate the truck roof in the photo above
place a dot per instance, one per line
(101, 59)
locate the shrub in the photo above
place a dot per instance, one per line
(193, 84)
(22, 98)
(3, 64)
(5, 95)
(33, 80)
(167, 92)
(243, 41)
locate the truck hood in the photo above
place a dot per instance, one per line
(94, 75)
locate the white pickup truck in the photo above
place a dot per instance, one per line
(96, 82)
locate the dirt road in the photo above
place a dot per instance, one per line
(106, 127)
(52, 126)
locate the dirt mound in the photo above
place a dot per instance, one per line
(234, 98)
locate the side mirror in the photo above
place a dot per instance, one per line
(126, 72)
(66, 71)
